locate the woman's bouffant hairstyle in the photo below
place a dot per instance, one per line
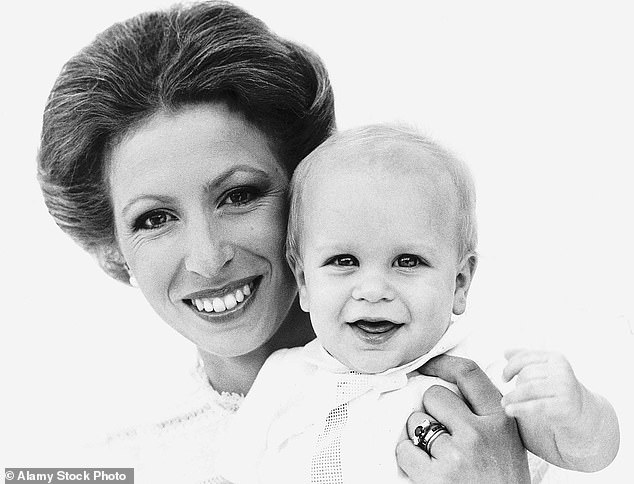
(163, 61)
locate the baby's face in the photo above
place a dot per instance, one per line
(379, 259)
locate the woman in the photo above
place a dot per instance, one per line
(167, 147)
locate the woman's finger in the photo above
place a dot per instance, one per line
(440, 443)
(447, 408)
(413, 461)
(480, 393)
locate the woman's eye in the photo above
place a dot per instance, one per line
(153, 220)
(240, 196)
(408, 260)
(344, 261)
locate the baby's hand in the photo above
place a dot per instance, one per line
(546, 388)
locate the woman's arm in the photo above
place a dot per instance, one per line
(483, 444)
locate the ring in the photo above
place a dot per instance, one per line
(426, 433)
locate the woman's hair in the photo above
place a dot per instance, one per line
(163, 61)
(373, 137)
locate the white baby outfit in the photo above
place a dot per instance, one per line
(308, 418)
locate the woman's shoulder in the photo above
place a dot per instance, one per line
(181, 445)
(206, 409)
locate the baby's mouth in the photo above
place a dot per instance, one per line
(232, 299)
(375, 327)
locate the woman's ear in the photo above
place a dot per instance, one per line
(466, 270)
(111, 261)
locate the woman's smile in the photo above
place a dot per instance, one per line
(224, 301)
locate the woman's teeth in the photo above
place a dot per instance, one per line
(220, 304)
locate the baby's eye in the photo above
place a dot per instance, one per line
(153, 220)
(344, 260)
(240, 196)
(408, 260)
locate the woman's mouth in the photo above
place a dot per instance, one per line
(220, 303)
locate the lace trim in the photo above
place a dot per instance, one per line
(230, 401)
(227, 401)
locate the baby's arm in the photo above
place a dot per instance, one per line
(559, 419)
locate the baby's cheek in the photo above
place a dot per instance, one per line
(323, 325)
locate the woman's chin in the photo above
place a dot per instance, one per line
(235, 343)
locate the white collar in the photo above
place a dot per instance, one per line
(318, 356)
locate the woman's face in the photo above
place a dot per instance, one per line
(199, 202)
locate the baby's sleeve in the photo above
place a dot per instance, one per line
(245, 435)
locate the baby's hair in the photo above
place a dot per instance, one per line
(377, 136)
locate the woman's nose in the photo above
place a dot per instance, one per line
(208, 252)
(372, 288)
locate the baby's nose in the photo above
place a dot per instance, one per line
(373, 288)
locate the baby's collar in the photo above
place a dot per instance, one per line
(456, 333)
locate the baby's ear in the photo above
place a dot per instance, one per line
(300, 279)
(466, 270)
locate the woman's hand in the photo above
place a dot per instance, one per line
(483, 444)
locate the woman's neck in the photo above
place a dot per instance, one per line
(236, 374)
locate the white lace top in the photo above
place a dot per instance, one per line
(181, 449)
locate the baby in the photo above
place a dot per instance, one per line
(382, 239)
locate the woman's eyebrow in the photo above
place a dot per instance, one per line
(208, 187)
(145, 196)
(223, 177)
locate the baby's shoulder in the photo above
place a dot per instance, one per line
(286, 362)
